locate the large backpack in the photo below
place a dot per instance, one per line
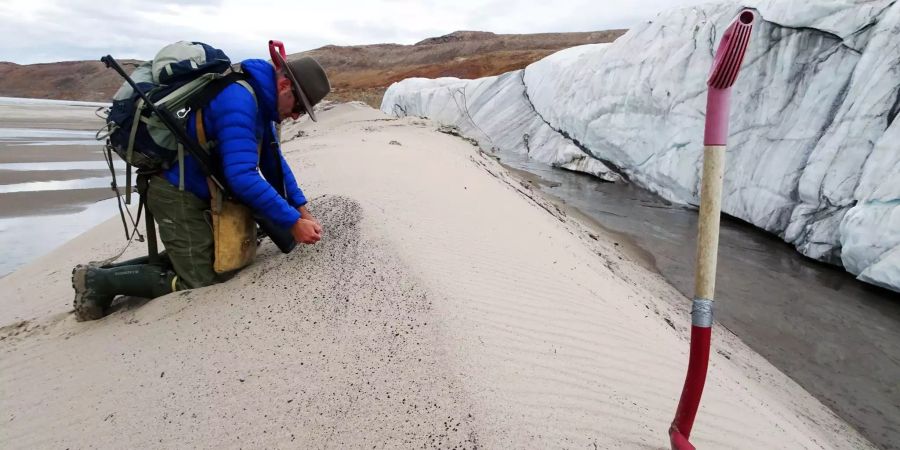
(182, 77)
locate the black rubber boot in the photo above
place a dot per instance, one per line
(164, 261)
(96, 288)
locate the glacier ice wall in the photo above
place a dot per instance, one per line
(814, 147)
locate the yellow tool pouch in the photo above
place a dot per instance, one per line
(234, 230)
(234, 233)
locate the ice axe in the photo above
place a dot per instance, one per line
(724, 72)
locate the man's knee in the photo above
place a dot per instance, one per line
(195, 279)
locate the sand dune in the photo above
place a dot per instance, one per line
(447, 305)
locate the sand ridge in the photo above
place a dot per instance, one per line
(448, 305)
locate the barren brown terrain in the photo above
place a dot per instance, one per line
(359, 72)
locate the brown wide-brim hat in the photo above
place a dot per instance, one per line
(309, 80)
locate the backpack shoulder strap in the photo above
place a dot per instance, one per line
(210, 93)
(215, 193)
(211, 90)
(246, 85)
(203, 140)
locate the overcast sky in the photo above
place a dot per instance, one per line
(36, 31)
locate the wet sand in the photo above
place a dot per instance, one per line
(63, 115)
(19, 204)
(21, 176)
(16, 153)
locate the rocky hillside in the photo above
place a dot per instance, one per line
(360, 72)
(69, 80)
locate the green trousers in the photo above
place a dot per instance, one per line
(185, 228)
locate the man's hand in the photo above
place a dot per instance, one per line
(306, 231)
(305, 214)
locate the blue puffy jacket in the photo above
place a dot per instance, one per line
(236, 122)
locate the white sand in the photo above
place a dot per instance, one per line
(447, 306)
